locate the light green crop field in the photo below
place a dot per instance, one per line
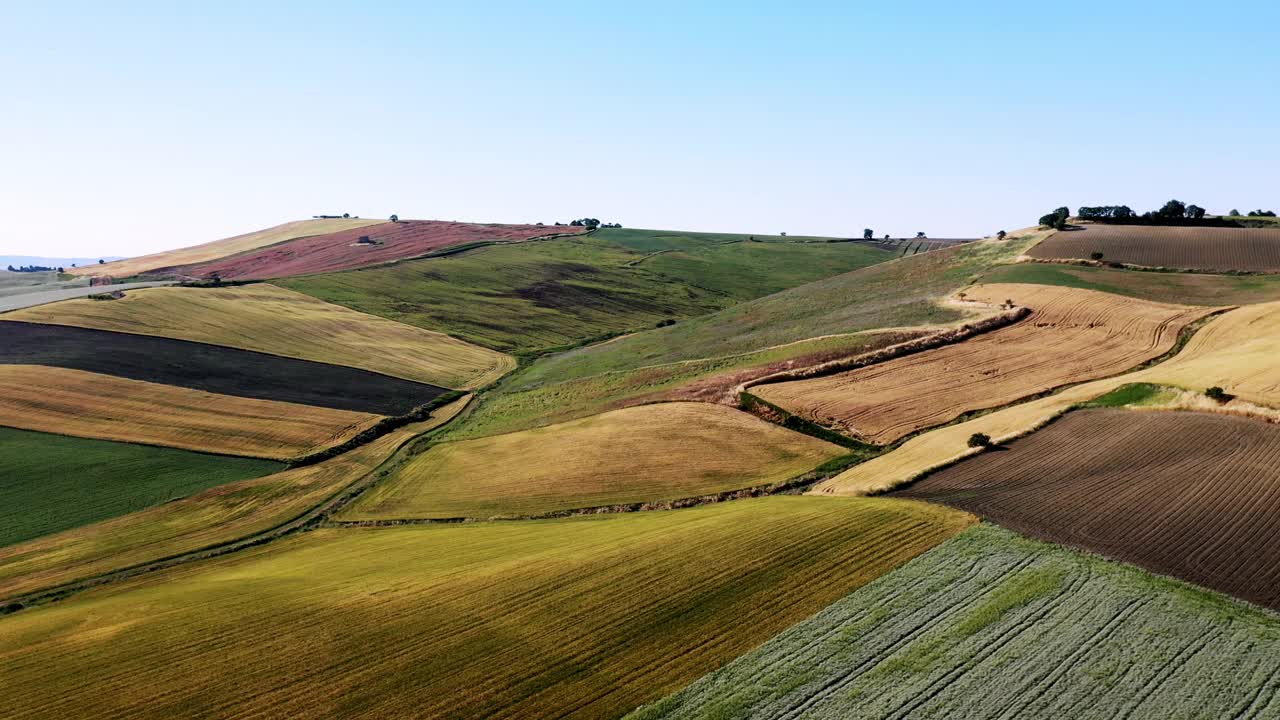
(664, 451)
(994, 625)
(513, 406)
(531, 297)
(898, 293)
(50, 483)
(579, 618)
(1169, 287)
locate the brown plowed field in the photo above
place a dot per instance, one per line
(1192, 248)
(341, 251)
(1071, 336)
(1193, 495)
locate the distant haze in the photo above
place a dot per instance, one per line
(20, 260)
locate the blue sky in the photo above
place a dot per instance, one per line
(133, 127)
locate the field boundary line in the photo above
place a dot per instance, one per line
(306, 520)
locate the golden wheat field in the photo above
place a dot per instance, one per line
(654, 452)
(1239, 351)
(222, 248)
(274, 320)
(1071, 336)
(578, 618)
(215, 516)
(84, 404)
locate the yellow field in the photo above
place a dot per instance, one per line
(647, 453)
(1072, 335)
(218, 515)
(1239, 351)
(83, 404)
(274, 320)
(222, 248)
(581, 618)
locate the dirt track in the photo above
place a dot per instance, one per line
(1194, 248)
(1193, 495)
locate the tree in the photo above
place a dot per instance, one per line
(1001, 235)
(396, 218)
(11, 269)
(979, 440)
(346, 215)
(919, 235)
(1217, 394)
(1095, 255)
(1235, 212)
(1173, 209)
(101, 261)
(782, 234)
(886, 236)
(1195, 212)
(867, 233)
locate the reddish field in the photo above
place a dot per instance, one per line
(1193, 495)
(1192, 248)
(341, 251)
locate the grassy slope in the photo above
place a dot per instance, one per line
(897, 293)
(222, 248)
(992, 625)
(586, 617)
(656, 452)
(273, 320)
(50, 483)
(1183, 288)
(89, 405)
(531, 297)
(16, 283)
(217, 515)
(514, 406)
(1239, 351)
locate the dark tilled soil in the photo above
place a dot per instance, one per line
(1192, 495)
(212, 368)
(1191, 248)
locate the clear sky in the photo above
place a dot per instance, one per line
(132, 127)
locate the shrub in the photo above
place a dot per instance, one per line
(1217, 394)
(1000, 235)
(665, 323)
(1095, 256)
(979, 440)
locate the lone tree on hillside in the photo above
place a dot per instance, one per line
(1056, 219)
(101, 261)
(396, 218)
(920, 235)
(1235, 212)
(979, 440)
(867, 234)
(1217, 394)
(1001, 235)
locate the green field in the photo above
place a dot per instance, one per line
(994, 625)
(587, 617)
(531, 297)
(50, 483)
(1169, 287)
(514, 405)
(898, 293)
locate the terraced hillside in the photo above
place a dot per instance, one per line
(1091, 335)
(573, 618)
(992, 625)
(1192, 495)
(642, 454)
(273, 320)
(1195, 248)
(222, 248)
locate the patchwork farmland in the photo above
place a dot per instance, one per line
(991, 625)
(1093, 335)
(586, 617)
(650, 453)
(1192, 495)
(1195, 248)
(471, 470)
(361, 247)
